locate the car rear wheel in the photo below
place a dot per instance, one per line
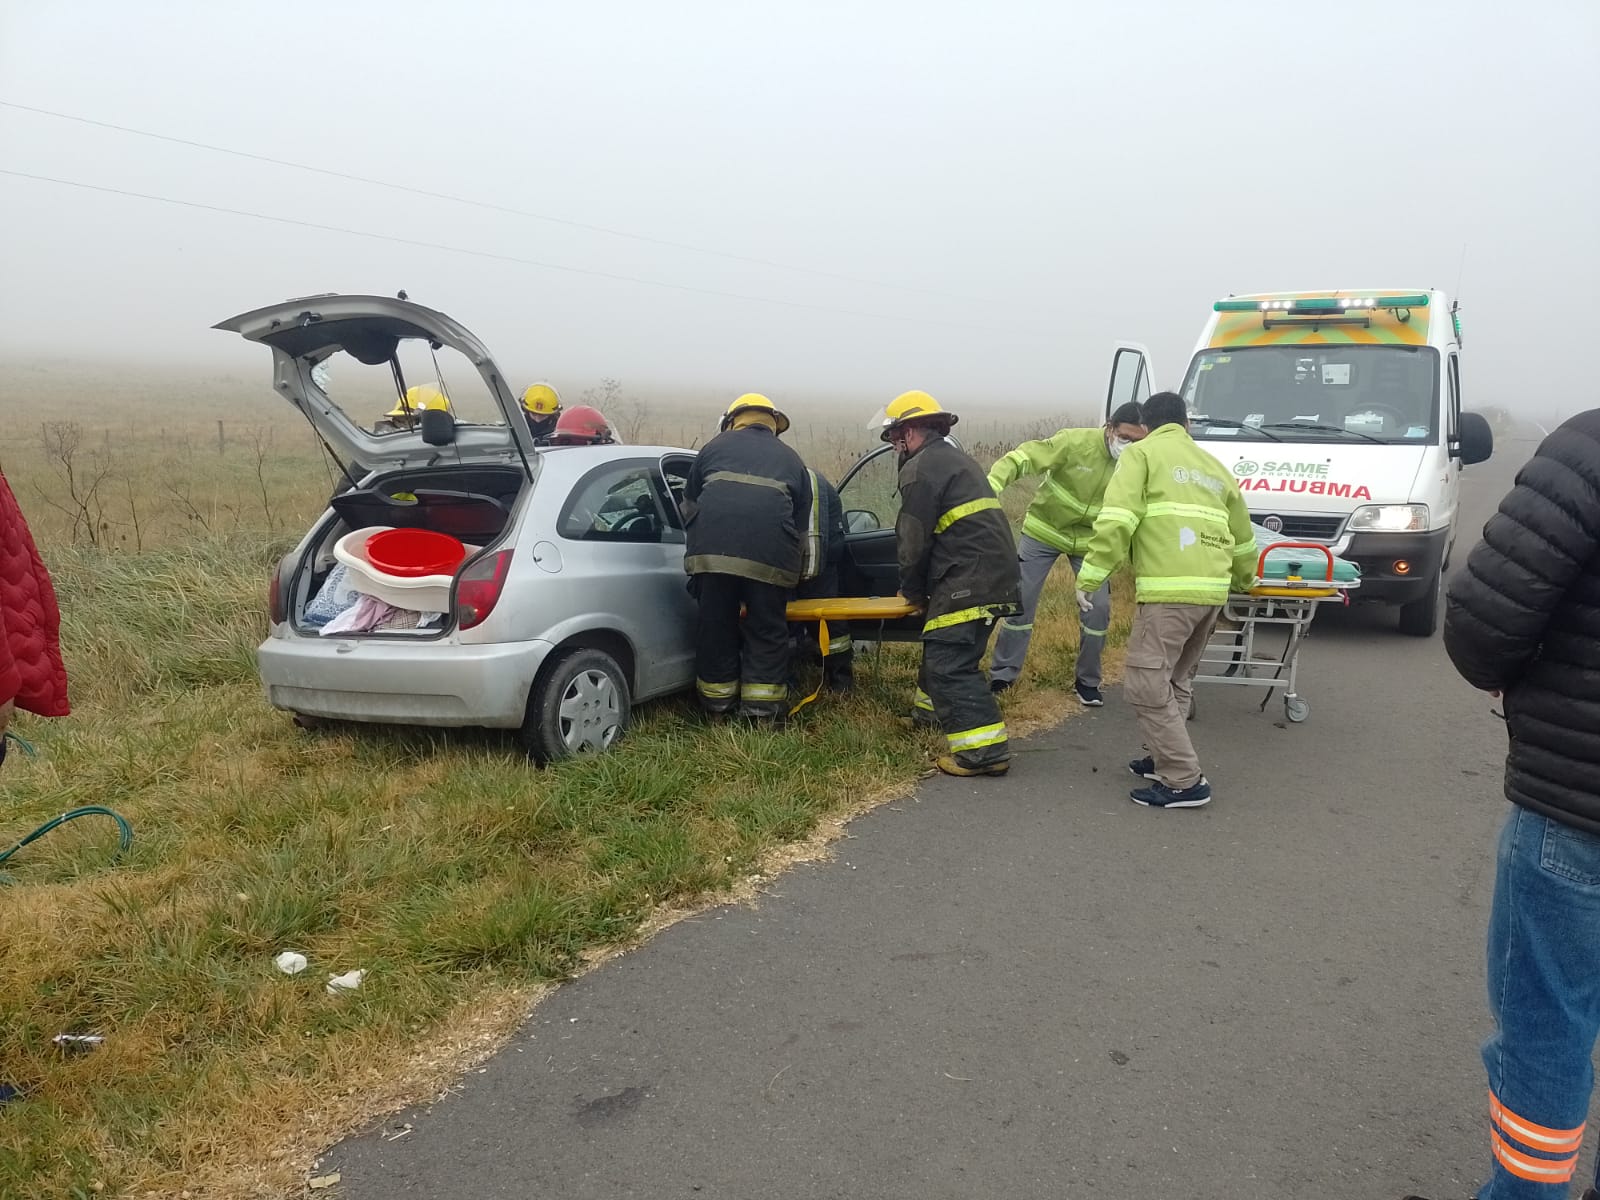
(580, 705)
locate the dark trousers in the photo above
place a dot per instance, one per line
(838, 668)
(743, 663)
(961, 700)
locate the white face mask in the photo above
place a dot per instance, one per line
(1117, 445)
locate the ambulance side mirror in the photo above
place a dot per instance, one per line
(1476, 441)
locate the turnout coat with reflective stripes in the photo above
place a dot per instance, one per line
(1076, 465)
(957, 555)
(747, 501)
(1176, 512)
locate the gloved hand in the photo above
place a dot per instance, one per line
(1085, 604)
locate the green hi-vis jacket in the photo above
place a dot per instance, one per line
(1076, 465)
(957, 555)
(1176, 512)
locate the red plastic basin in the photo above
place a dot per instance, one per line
(412, 552)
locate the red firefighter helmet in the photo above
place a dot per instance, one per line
(582, 426)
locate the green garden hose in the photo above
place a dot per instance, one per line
(124, 830)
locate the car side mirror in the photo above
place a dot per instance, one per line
(1476, 440)
(438, 427)
(859, 520)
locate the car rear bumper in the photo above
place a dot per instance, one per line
(1377, 553)
(402, 683)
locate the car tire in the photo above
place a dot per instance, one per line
(1420, 618)
(580, 704)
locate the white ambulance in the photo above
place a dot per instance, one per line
(1339, 413)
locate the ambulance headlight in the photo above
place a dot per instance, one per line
(1389, 518)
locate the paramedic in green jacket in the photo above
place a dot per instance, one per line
(1176, 512)
(1076, 465)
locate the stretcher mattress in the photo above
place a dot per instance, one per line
(1312, 564)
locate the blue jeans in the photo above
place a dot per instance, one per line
(1544, 992)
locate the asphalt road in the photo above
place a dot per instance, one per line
(1032, 987)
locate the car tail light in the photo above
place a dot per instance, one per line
(277, 606)
(478, 588)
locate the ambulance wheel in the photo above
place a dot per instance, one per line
(1420, 618)
(1296, 709)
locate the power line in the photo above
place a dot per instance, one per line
(510, 258)
(483, 204)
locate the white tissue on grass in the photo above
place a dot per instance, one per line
(348, 982)
(290, 962)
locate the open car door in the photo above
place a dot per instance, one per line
(1130, 376)
(870, 493)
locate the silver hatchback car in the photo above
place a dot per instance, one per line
(571, 605)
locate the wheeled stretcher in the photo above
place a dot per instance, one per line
(1285, 597)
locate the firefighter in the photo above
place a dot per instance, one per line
(747, 501)
(1076, 465)
(958, 564)
(397, 418)
(410, 407)
(581, 425)
(838, 667)
(426, 398)
(542, 406)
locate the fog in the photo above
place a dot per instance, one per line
(818, 201)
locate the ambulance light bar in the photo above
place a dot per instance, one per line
(1331, 304)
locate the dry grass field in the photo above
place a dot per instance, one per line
(458, 877)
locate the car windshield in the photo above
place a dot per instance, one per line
(1316, 393)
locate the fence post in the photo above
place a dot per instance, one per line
(222, 439)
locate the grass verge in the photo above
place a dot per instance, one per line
(458, 877)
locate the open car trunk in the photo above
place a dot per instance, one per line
(342, 361)
(475, 504)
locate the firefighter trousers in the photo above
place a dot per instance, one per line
(952, 684)
(741, 663)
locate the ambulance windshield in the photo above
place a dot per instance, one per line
(1316, 393)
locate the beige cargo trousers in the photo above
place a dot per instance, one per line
(1164, 650)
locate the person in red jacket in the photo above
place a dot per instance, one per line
(32, 675)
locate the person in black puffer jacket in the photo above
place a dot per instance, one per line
(1523, 622)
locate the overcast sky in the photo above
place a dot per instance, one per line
(1009, 187)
